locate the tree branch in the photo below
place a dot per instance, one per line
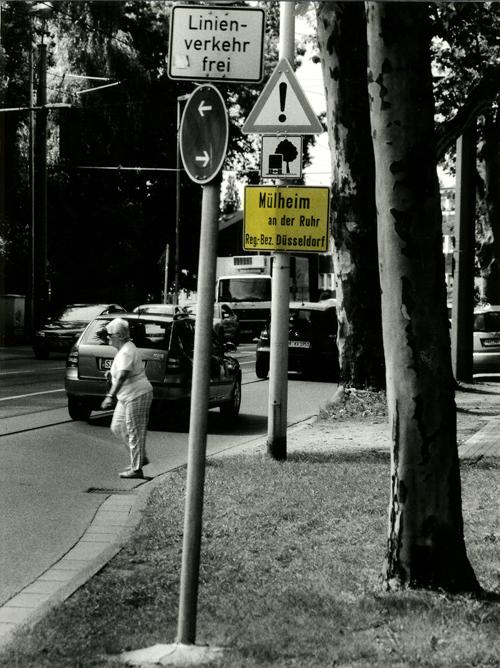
(479, 99)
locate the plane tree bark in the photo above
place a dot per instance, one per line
(342, 46)
(425, 546)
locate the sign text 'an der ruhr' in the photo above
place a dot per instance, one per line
(210, 43)
(286, 218)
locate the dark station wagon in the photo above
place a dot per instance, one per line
(166, 344)
(312, 341)
(60, 331)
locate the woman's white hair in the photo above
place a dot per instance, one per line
(118, 326)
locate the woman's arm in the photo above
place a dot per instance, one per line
(116, 386)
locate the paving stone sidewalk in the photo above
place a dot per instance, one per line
(478, 427)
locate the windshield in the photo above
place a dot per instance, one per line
(245, 289)
(79, 313)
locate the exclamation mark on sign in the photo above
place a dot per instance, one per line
(283, 87)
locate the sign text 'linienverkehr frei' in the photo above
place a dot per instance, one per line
(286, 218)
(210, 43)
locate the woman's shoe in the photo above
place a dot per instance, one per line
(131, 473)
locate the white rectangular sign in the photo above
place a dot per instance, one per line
(216, 43)
(281, 157)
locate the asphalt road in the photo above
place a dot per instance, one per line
(55, 473)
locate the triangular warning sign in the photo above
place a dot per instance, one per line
(282, 107)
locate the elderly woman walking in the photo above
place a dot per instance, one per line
(134, 394)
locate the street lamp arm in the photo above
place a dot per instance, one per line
(52, 105)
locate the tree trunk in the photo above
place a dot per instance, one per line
(489, 241)
(425, 538)
(343, 57)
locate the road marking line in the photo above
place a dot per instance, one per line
(32, 394)
(53, 368)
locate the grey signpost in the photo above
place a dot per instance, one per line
(203, 140)
(281, 109)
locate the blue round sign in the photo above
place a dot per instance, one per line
(204, 134)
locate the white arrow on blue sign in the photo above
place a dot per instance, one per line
(204, 134)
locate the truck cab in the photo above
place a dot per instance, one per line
(249, 296)
(244, 284)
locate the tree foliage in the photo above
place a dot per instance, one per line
(108, 224)
(466, 90)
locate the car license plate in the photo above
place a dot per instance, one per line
(105, 364)
(299, 344)
(490, 343)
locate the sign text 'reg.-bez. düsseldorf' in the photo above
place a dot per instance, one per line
(286, 218)
(216, 43)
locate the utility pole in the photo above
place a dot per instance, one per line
(31, 305)
(40, 296)
(278, 362)
(180, 98)
(463, 274)
(2, 165)
(165, 278)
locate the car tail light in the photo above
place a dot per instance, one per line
(173, 364)
(72, 360)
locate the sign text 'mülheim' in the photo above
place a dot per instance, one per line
(214, 44)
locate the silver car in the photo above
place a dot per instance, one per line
(486, 337)
(166, 346)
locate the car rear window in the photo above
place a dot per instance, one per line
(487, 322)
(322, 322)
(157, 335)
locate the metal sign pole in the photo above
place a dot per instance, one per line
(186, 629)
(204, 134)
(278, 363)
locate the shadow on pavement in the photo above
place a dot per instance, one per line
(469, 389)
(178, 422)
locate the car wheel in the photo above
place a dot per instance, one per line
(78, 409)
(261, 367)
(232, 408)
(41, 352)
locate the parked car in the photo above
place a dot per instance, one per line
(486, 341)
(312, 340)
(226, 322)
(160, 309)
(64, 327)
(166, 345)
